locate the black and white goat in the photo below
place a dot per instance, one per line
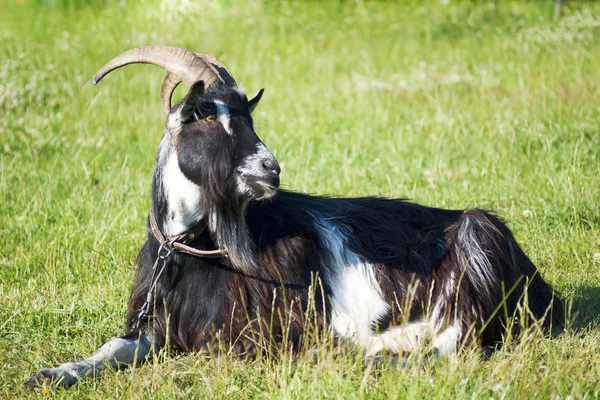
(393, 275)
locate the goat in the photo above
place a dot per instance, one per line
(228, 253)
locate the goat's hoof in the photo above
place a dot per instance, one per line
(40, 379)
(47, 377)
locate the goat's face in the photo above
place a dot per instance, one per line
(217, 148)
(210, 131)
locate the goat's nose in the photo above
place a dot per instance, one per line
(271, 165)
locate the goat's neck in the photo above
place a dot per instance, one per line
(178, 206)
(228, 226)
(177, 201)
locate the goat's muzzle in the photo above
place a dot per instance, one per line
(271, 172)
(258, 175)
(268, 181)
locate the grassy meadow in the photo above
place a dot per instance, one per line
(449, 103)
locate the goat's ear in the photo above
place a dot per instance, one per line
(254, 102)
(190, 100)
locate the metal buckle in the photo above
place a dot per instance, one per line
(165, 249)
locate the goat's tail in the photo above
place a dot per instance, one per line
(498, 281)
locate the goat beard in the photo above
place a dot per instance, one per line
(227, 224)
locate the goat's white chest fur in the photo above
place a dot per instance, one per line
(183, 198)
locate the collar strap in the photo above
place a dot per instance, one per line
(179, 243)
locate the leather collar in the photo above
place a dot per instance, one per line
(179, 243)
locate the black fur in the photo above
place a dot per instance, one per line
(459, 265)
(409, 244)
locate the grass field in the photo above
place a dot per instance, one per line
(451, 104)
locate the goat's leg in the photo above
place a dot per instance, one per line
(448, 341)
(399, 339)
(116, 353)
(414, 336)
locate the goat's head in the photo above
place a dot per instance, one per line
(210, 130)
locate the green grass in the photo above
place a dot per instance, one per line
(459, 105)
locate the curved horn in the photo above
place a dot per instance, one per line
(182, 62)
(167, 87)
(171, 81)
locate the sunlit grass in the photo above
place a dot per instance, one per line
(452, 105)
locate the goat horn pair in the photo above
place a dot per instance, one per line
(181, 64)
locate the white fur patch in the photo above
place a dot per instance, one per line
(403, 338)
(173, 121)
(446, 343)
(358, 303)
(242, 186)
(414, 336)
(252, 166)
(241, 92)
(356, 296)
(480, 269)
(183, 197)
(223, 115)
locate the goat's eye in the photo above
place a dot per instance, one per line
(210, 118)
